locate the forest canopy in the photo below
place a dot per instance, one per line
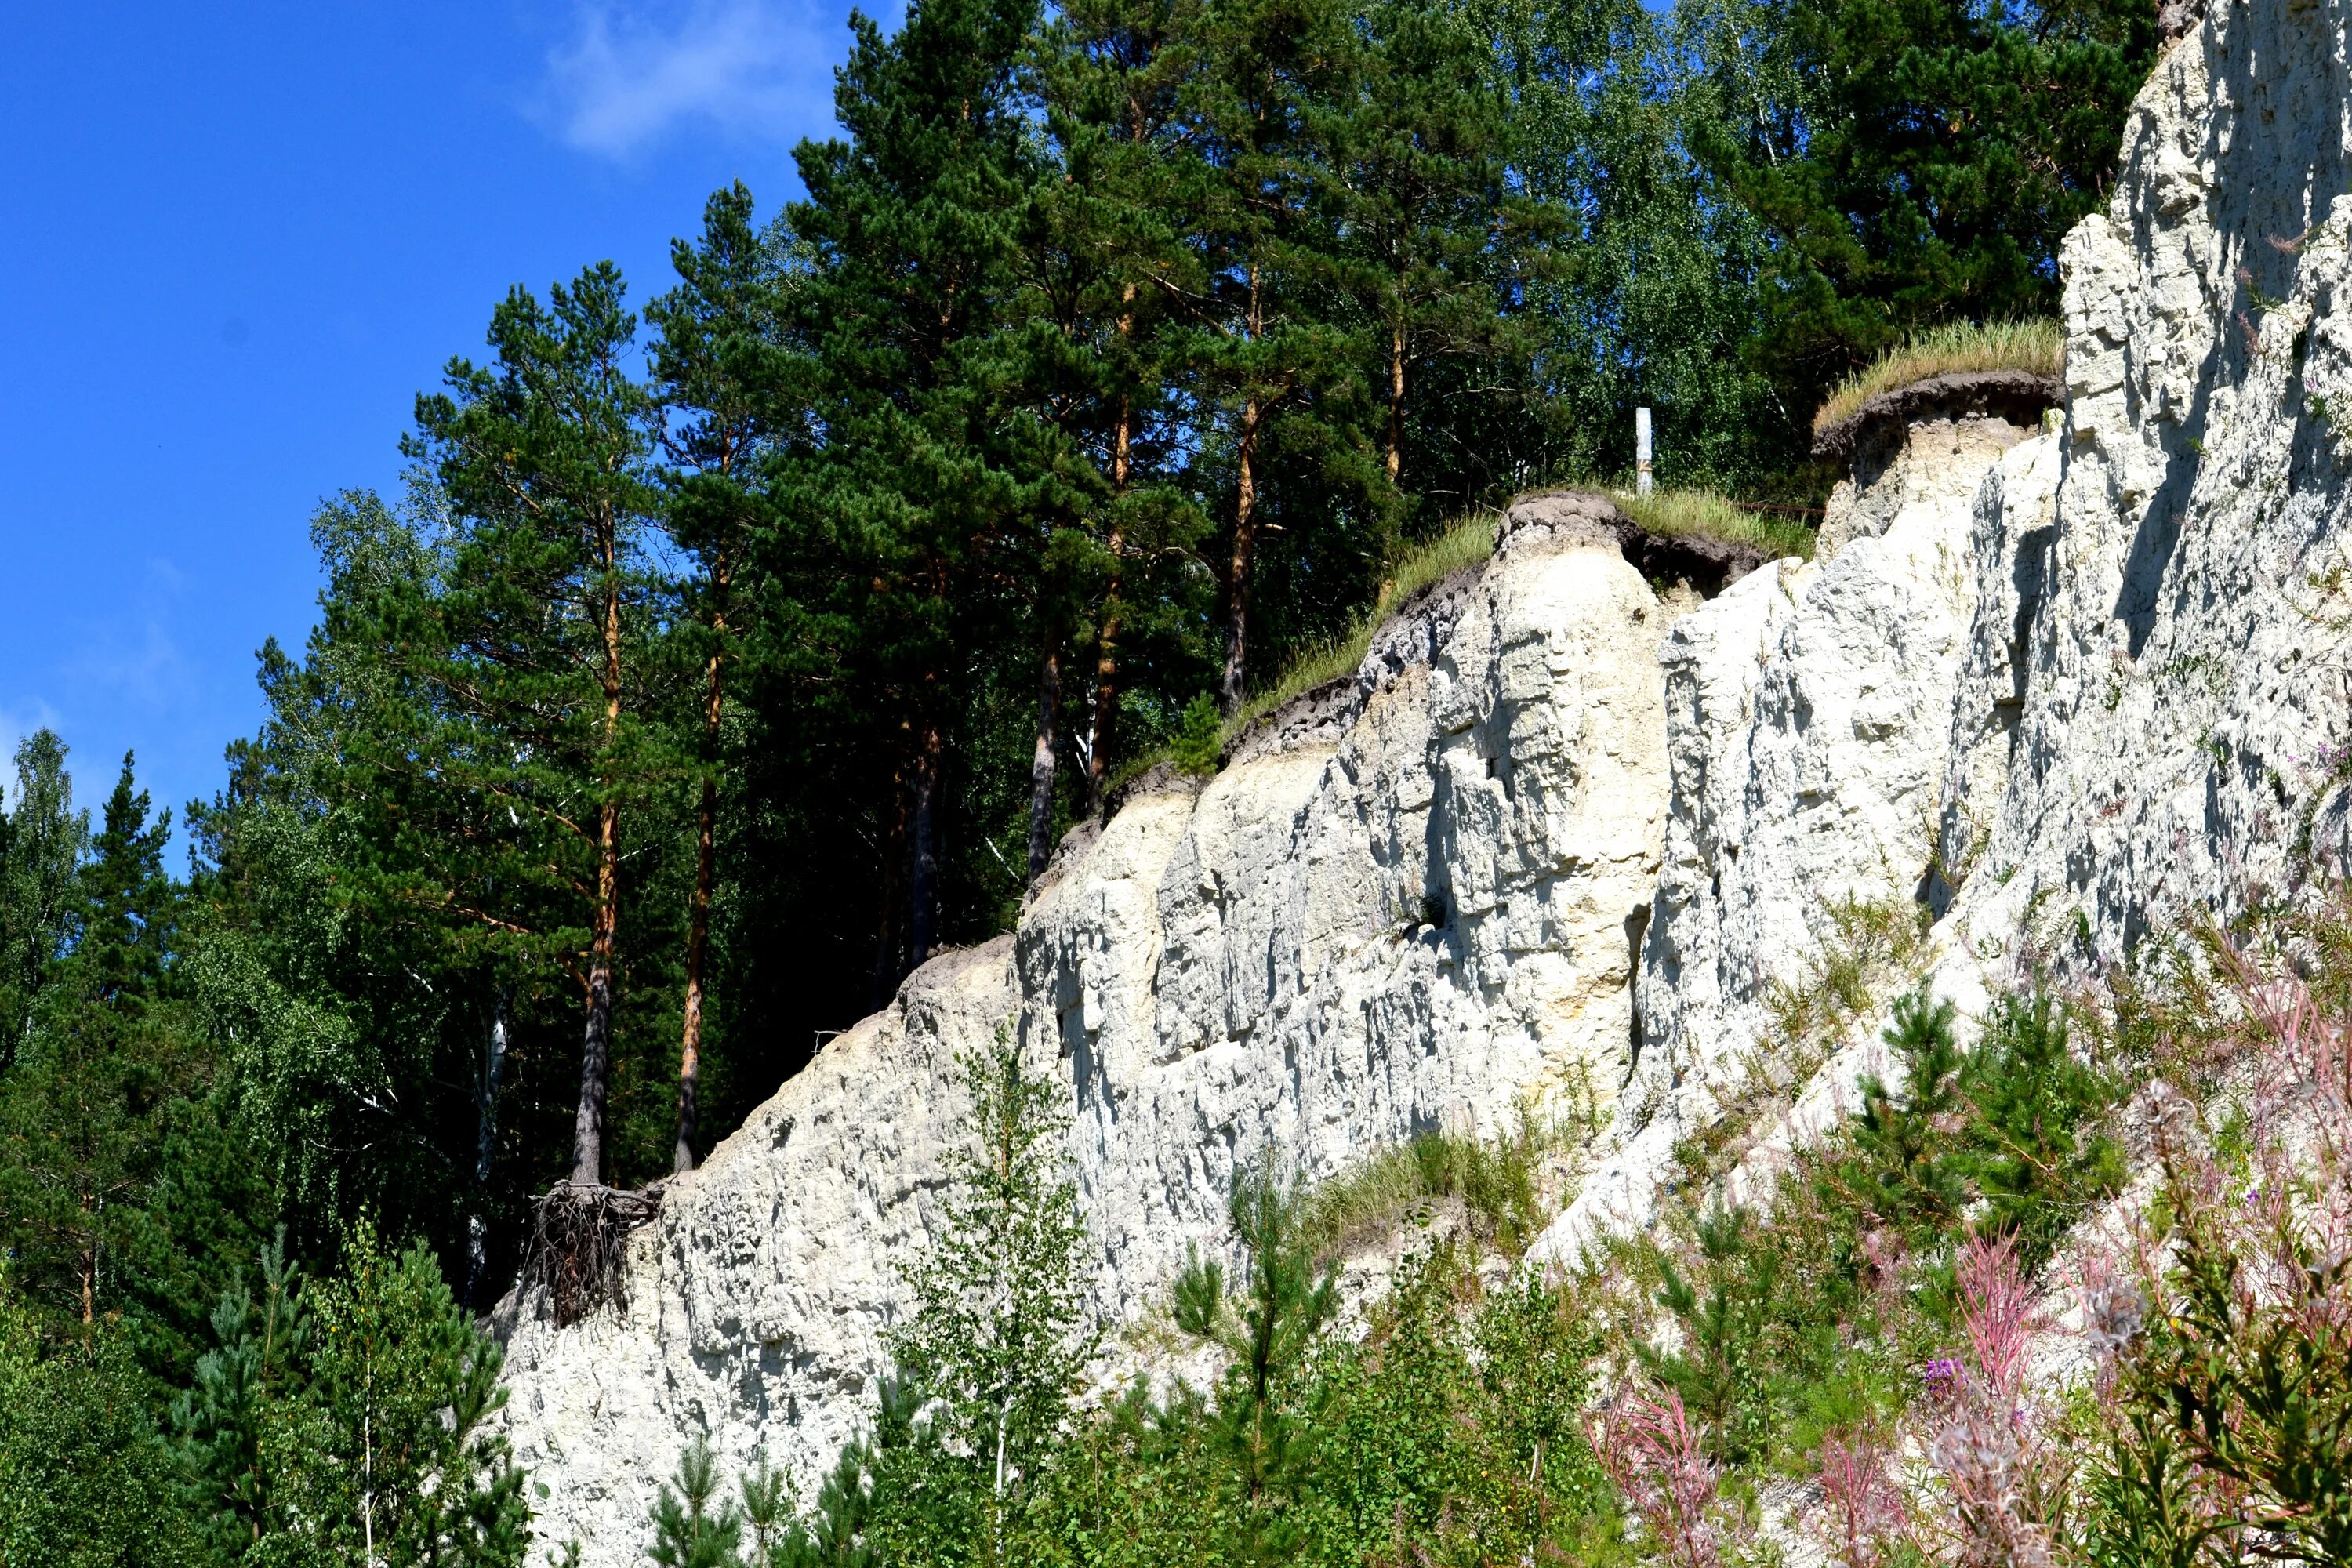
(740, 639)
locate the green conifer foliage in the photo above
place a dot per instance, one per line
(1919, 161)
(130, 903)
(533, 651)
(909, 228)
(1907, 1171)
(1433, 239)
(2039, 1152)
(109, 1074)
(721, 378)
(1109, 75)
(1289, 1296)
(693, 1527)
(1271, 355)
(83, 1483)
(348, 1420)
(884, 1494)
(1724, 1370)
(226, 1442)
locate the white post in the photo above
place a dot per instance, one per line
(1641, 451)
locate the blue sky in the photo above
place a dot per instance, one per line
(237, 239)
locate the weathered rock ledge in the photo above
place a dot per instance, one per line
(2018, 397)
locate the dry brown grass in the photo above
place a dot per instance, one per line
(2038, 346)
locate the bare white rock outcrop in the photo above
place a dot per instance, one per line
(1558, 838)
(2134, 631)
(1808, 730)
(1413, 900)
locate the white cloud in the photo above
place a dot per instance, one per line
(635, 69)
(132, 659)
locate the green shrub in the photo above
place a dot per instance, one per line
(1496, 1183)
(83, 1483)
(1200, 743)
(1796, 1318)
(2039, 1152)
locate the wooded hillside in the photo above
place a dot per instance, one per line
(741, 638)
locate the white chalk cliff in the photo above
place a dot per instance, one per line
(1558, 836)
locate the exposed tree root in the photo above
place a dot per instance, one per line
(578, 1236)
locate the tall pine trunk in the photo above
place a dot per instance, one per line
(1396, 400)
(1106, 713)
(89, 1259)
(1040, 764)
(698, 936)
(1107, 635)
(1237, 574)
(885, 936)
(596, 1048)
(922, 915)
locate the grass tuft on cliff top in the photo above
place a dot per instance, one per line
(2039, 346)
(1465, 543)
(1702, 514)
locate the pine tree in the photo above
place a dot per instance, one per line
(890, 1496)
(2033, 1148)
(225, 1439)
(1722, 1369)
(690, 1532)
(1265, 349)
(1921, 160)
(81, 1113)
(910, 226)
(1433, 238)
(1289, 1296)
(130, 914)
(349, 1419)
(1111, 76)
(1907, 1168)
(73, 1122)
(542, 613)
(720, 373)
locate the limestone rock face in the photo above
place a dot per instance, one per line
(1408, 901)
(2072, 687)
(1554, 838)
(2177, 645)
(1336, 945)
(1930, 466)
(755, 1300)
(1809, 715)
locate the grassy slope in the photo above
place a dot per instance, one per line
(1702, 514)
